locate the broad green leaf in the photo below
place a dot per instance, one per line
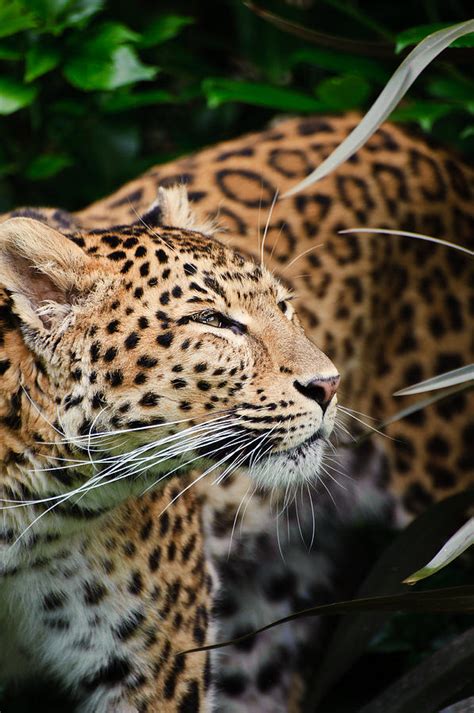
(407, 234)
(394, 91)
(431, 684)
(335, 61)
(455, 546)
(122, 67)
(347, 92)
(47, 165)
(452, 88)
(424, 112)
(164, 28)
(220, 91)
(449, 378)
(467, 132)
(14, 95)
(446, 599)
(412, 547)
(106, 38)
(415, 34)
(57, 15)
(40, 59)
(14, 17)
(124, 101)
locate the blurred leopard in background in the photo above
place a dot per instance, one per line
(123, 324)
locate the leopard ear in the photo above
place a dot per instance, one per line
(173, 210)
(42, 269)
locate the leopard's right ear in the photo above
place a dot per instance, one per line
(43, 270)
(172, 209)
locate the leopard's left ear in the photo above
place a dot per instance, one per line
(172, 209)
(44, 271)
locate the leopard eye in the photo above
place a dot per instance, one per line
(220, 321)
(213, 319)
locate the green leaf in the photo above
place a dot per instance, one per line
(14, 17)
(398, 85)
(164, 28)
(122, 67)
(40, 59)
(334, 61)
(14, 95)
(449, 378)
(57, 15)
(47, 165)
(453, 88)
(347, 92)
(455, 546)
(432, 683)
(446, 599)
(416, 34)
(419, 541)
(467, 132)
(123, 101)
(425, 113)
(221, 91)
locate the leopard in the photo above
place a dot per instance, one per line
(162, 356)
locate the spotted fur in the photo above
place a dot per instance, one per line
(112, 329)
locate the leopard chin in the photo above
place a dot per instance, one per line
(295, 467)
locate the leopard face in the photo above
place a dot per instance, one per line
(158, 348)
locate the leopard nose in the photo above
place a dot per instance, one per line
(320, 389)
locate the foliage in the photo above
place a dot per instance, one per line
(93, 92)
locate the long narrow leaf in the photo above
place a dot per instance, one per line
(411, 548)
(449, 378)
(401, 81)
(432, 683)
(455, 546)
(448, 599)
(407, 234)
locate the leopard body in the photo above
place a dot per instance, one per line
(111, 585)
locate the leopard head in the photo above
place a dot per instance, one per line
(145, 349)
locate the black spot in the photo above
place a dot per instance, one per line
(441, 477)
(147, 362)
(162, 256)
(177, 291)
(154, 559)
(189, 269)
(132, 340)
(189, 703)
(164, 524)
(4, 365)
(143, 322)
(135, 585)
(117, 255)
(268, 676)
(140, 378)
(437, 445)
(232, 684)
(149, 399)
(113, 326)
(179, 383)
(109, 675)
(94, 592)
(165, 340)
(110, 354)
(172, 678)
(129, 625)
(115, 378)
(95, 351)
(54, 600)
